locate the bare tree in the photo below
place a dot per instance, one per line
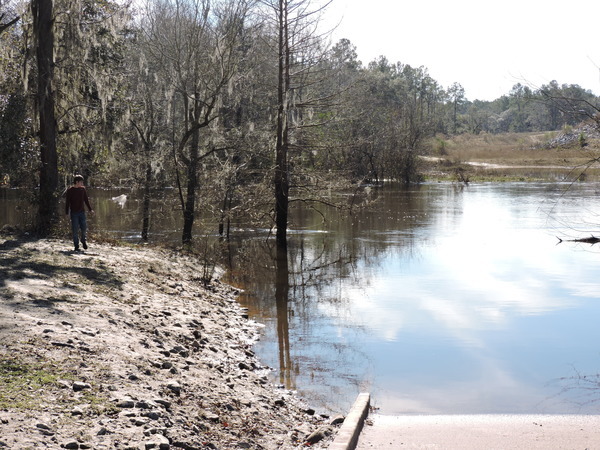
(147, 108)
(195, 45)
(296, 39)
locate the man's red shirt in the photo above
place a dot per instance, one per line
(77, 199)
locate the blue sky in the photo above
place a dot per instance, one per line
(487, 47)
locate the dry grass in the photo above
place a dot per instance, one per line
(521, 156)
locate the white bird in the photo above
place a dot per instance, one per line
(120, 200)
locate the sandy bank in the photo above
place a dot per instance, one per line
(124, 348)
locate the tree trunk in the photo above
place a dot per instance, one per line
(48, 199)
(281, 178)
(192, 186)
(147, 195)
(225, 214)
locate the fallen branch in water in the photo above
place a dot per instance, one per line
(589, 240)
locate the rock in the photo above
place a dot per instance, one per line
(151, 431)
(62, 344)
(280, 402)
(165, 403)
(337, 420)
(319, 435)
(88, 332)
(146, 404)
(152, 415)
(77, 411)
(80, 386)
(70, 445)
(174, 387)
(211, 416)
(139, 422)
(158, 441)
(125, 403)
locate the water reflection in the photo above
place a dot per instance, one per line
(441, 300)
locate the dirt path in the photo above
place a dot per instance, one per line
(123, 348)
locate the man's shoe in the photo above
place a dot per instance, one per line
(77, 249)
(84, 245)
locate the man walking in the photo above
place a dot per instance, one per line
(77, 200)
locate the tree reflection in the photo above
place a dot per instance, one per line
(301, 295)
(282, 289)
(581, 390)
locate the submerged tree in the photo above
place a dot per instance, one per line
(297, 46)
(148, 106)
(390, 109)
(195, 46)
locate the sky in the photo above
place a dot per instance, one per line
(486, 46)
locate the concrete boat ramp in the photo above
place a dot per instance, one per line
(362, 431)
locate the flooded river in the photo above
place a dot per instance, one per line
(436, 299)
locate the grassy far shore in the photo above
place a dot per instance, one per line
(567, 155)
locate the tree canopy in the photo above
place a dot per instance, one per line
(239, 104)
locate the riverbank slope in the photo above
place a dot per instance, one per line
(123, 347)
